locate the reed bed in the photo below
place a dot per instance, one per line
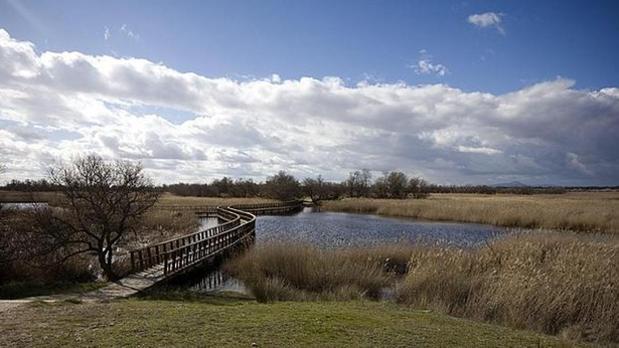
(577, 211)
(303, 272)
(168, 199)
(162, 224)
(554, 282)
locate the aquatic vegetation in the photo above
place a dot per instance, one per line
(554, 282)
(577, 211)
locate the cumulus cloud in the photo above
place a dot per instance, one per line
(57, 105)
(487, 19)
(425, 66)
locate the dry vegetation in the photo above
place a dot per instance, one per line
(557, 283)
(168, 199)
(578, 211)
(303, 272)
(549, 282)
(54, 198)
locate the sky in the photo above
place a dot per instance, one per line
(459, 92)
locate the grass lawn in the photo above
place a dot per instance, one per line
(216, 322)
(15, 290)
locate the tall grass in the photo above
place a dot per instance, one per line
(168, 199)
(302, 272)
(557, 283)
(549, 282)
(585, 212)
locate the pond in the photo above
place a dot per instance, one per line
(329, 229)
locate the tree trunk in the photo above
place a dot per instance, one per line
(106, 265)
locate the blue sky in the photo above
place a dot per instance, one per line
(456, 91)
(354, 40)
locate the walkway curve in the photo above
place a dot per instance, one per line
(158, 262)
(161, 261)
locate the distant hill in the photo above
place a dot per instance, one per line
(510, 184)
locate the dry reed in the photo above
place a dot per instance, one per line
(302, 272)
(578, 211)
(555, 283)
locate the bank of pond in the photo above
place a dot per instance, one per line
(556, 282)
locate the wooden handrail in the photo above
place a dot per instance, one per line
(184, 251)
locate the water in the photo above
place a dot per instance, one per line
(208, 222)
(23, 206)
(328, 229)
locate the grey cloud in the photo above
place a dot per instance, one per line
(548, 132)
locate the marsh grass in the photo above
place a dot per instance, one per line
(302, 272)
(556, 283)
(168, 199)
(553, 282)
(578, 211)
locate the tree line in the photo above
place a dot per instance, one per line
(359, 183)
(285, 186)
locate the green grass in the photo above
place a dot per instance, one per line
(23, 289)
(218, 322)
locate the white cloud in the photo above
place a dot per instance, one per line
(425, 66)
(106, 33)
(124, 29)
(483, 150)
(55, 105)
(487, 19)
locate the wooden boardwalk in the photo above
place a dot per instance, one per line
(158, 262)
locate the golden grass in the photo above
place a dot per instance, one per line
(555, 283)
(303, 272)
(578, 211)
(53, 198)
(168, 199)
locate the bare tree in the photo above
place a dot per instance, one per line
(314, 188)
(358, 183)
(418, 187)
(396, 183)
(104, 202)
(282, 186)
(2, 171)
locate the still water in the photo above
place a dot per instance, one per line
(328, 229)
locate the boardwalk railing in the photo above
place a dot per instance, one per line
(152, 255)
(271, 208)
(180, 253)
(194, 253)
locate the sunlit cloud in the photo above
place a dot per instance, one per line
(486, 20)
(54, 105)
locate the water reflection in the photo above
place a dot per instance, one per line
(217, 281)
(208, 222)
(330, 229)
(207, 280)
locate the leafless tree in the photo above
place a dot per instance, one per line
(2, 171)
(359, 183)
(314, 188)
(282, 186)
(104, 202)
(418, 187)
